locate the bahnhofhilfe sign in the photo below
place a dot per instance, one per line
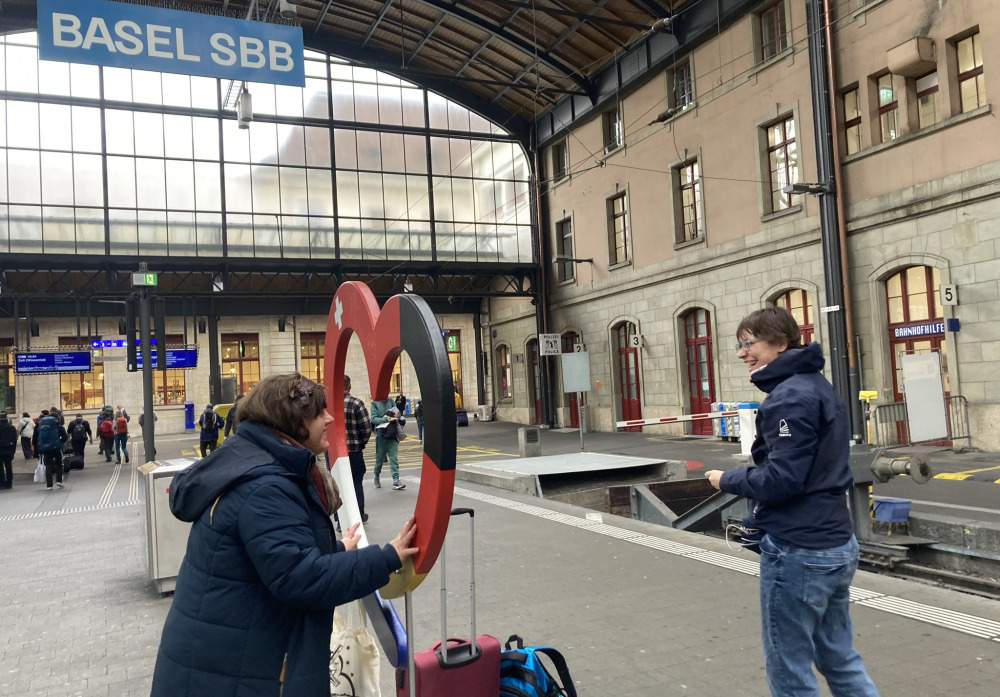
(170, 41)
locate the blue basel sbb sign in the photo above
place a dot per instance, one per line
(148, 38)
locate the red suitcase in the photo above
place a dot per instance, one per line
(456, 667)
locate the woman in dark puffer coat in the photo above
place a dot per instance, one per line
(253, 607)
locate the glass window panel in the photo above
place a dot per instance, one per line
(58, 230)
(295, 236)
(121, 182)
(55, 127)
(209, 233)
(208, 192)
(373, 241)
(443, 209)
(420, 240)
(22, 69)
(3, 66)
(321, 237)
(177, 136)
(123, 232)
(153, 232)
(397, 239)
(317, 101)
(85, 80)
(3, 119)
(25, 225)
(53, 78)
(117, 84)
(317, 147)
(181, 234)
(288, 101)
(366, 103)
(521, 203)
(390, 105)
(916, 286)
(266, 197)
(350, 238)
(239, 233)
(119, 132)
(57, 178)
(369, 150)
(24, 176)
(147, 87)
(3, 190)
(393, 153)
(320, 182)
(418, 201)
(463, 198)
(370, 188)
(235, 142)
(22, 124)
(340, 70)
(413, 107)
(314, 64)
(263, 98)
(346, 148)
(88, 180)
(461, 157)
(180, 185)
(437, 107)
(966, 55)
(176, 89)
(440, 156)
(263, 142)
(458, 117)
(291, 145)
(86, 129)
(204, 92)
(343, 100)
(482, 159)
(151, 189)
(395, 196)
(415, 151)
(90, 231)
(294, 199)
(205, 134)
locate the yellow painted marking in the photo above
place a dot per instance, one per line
(957, 476)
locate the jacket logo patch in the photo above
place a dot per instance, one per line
(783, 431)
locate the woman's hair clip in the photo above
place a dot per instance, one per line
(303, 391)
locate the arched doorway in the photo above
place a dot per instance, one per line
(698, 345)
(916, 320)
(628, 372)
(534, 380)
(570, 340)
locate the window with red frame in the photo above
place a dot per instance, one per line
(783, 160)
(311, 355)
(772, 36)
(971, 85)
(799, 303)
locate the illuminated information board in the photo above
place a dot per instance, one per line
(53, 362)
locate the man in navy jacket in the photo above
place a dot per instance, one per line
(798, 483)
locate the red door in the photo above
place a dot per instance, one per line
(628, 374)
(534, 379)
(698, 343)
(570, 340)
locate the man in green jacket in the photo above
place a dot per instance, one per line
(385, 412)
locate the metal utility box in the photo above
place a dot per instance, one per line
(528, 442)
(166, 537)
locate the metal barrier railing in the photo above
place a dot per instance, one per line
(890, 426)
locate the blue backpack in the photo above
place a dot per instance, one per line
(48, 434)
(522, 673)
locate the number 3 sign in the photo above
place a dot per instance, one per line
(405, 323)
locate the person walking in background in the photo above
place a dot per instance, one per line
(358, 427)
(106, 436)
(798, 482)
(26, 428)
(120, 408)
(385, 447)
(401, 403)
(209, 424)
(253, 607)
(231, 418)
(8, 446)
(79, 433)
(121, 437)
(56, 412)
(49, 439)
(418, 414)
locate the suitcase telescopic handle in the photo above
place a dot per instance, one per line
(463, 511)
(472, 585)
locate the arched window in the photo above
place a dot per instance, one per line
(916, 319)
(800, 304)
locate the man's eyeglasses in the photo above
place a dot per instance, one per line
(745, 345)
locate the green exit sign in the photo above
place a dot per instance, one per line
(451, 342)
(143, 278)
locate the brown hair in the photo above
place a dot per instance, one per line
(285, 402)
(774, 324)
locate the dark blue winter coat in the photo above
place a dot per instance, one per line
(801, 454)
(253, 607)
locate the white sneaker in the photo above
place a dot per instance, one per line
(58, 484)
(49, 488)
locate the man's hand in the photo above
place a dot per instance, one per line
(713, 477)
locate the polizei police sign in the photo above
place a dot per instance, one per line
(169, 41)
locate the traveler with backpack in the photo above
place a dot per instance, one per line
(49, 437)
(57, 412)
(231, 418)
(8, 446)
(79, 433)
(106, 434)
(105, 415)
(27, 429)
(121, 437)
(209, 423)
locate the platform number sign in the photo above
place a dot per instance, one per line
(550, 344)
(949, 294)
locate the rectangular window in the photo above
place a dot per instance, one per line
(783, 162)
(772, 35)
(81, 390)
(852, 120)
(241, 360)
(7, 375)
(565, 270)
(560, 161)
(971, 87)
(311, 355)
(453, 346)
(613, 134)
(688, 179)
(505, 387)
(617, 229)
(928, 109)
(683, 85)
(888, 109)
(168, 385)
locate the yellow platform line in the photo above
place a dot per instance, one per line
(956, 476)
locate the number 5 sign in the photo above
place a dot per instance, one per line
(949, 294)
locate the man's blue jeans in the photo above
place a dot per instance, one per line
(805, 620)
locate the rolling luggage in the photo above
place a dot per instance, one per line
(72, 462)
(455, 667)
(461, 417)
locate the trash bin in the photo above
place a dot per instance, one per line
(188, 415)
